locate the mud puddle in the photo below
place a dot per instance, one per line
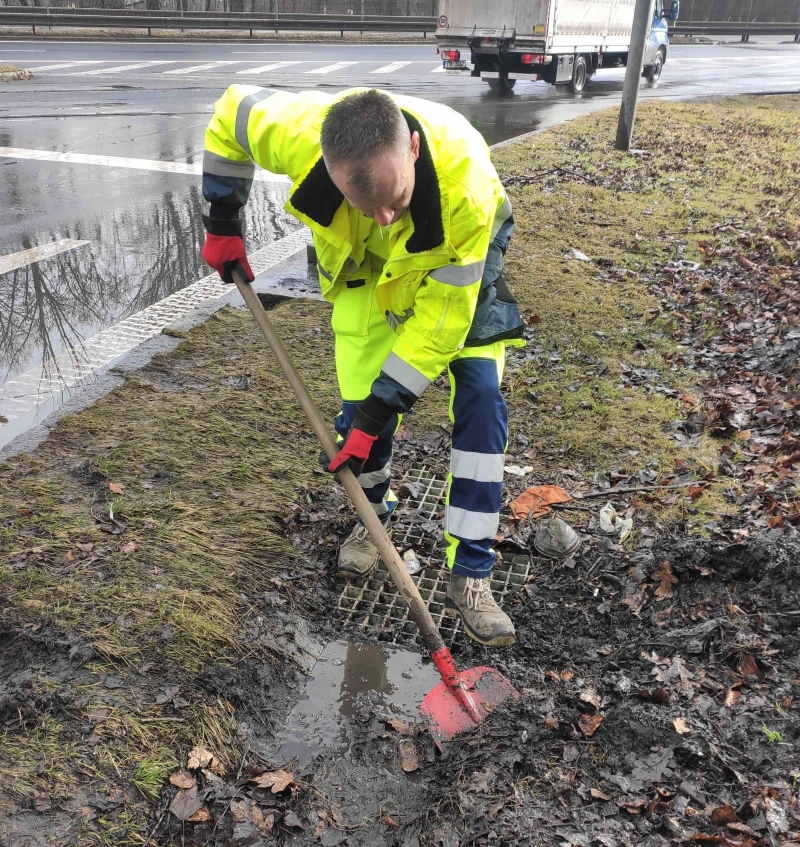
(350, 679)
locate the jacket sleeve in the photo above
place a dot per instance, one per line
(443, 313)
(273, 129)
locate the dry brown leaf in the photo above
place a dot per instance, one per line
(681, 727)
(202, 814)
(599, 795)
(185, 803)
(665, 579)
(408, 754)
(590, 695)
(748, 667)
(390, 822)
(87, 548)
(589, 724)
(116, 487)
(198, 758)
(291, 819)
(732, 696)
(240, 811)
(278, 780)
(181, 779)
(265, 823)
(398, 725)
(130, 547)
(551, 722)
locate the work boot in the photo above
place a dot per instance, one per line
(484, 621)
(357, 555)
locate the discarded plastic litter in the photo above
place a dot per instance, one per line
(412, 563)
(518, 470)
(556, 539)
(613, 523)
(572, 253)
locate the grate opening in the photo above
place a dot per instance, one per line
(375, 607)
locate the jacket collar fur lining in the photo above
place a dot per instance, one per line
(318, 198)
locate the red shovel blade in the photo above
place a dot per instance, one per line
(462, 702)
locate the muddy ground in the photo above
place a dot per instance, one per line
(168, 570)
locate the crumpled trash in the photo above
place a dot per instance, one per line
(517, 470)
(536, 501)
(412, 563)
(574, 253)
(556, 539)
(613, 523)
(676, 266)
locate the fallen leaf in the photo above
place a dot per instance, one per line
(130, 547)
(571, 753)
(398, 725)
(482, 781)
(681, 727)
(202, 814)
(390, 822)
(87, 548)
(551, 722)
(665, 579)
(116, 487)
(599, 795)
(185, 803)
(265, 823)
(408, 755)
(240, 811)
(41, 801)
(748, 667)
(199, 757)
(536, 501)
(731, 697)
(589, 724)
(702, 838)
(182, 779)
(291, 819)
(590, 695)
(278, 780)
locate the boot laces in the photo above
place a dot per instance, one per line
(478, 592)
(360, 534)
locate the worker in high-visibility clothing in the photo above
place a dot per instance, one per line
(410, 224)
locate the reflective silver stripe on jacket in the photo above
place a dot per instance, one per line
(243, 116)
(394, 320)
(501, 216)
(472, 526)
(373, 478)
(324, 272)
(407, 375)
(220, 166)
(459, 275)
(482, 467)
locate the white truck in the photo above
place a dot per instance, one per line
(558, 41)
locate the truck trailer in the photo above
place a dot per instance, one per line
(562, 42)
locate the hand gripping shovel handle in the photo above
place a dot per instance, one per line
(417, 610)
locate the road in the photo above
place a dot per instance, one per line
(100, 198)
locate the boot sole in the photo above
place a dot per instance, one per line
(354, 574)
(453, 611)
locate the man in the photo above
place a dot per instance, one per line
(410, 224)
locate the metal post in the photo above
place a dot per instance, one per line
(642, 20)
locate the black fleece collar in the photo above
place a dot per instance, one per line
(319, 199)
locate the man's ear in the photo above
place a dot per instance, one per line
(415, 145)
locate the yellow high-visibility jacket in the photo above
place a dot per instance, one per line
(441, 287)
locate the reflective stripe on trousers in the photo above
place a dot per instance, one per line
(480, 432)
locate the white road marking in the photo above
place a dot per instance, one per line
(206, 67)
(264, 68)
(388, 69)
(14, 261)
(331, 68)
(35, 391)
(195, 168)
(438, 70)
(122, 68)
(65, 65)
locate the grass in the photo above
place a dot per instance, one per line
(209, 471)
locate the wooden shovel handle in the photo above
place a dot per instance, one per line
(417, 610)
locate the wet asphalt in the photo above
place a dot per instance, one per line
(151, 101)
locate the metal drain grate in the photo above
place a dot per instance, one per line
(374, 605)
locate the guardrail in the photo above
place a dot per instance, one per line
(131, 19)
(744, 29)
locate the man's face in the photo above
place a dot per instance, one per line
(394, 178)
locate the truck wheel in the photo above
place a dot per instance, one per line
(654, 71)
(579, 75)
(502, 84)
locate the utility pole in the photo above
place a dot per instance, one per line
(642, 20)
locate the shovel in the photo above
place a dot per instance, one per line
(462, 699)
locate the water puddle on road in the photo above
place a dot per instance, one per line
(347, 679)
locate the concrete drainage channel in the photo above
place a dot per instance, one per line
(375, 607)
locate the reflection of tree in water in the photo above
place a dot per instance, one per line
(136, 258)
(44, 306)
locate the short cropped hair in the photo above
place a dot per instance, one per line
(360, 127)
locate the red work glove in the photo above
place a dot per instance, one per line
(222, 252)
(354, 452)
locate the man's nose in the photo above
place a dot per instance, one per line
(384, 215)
